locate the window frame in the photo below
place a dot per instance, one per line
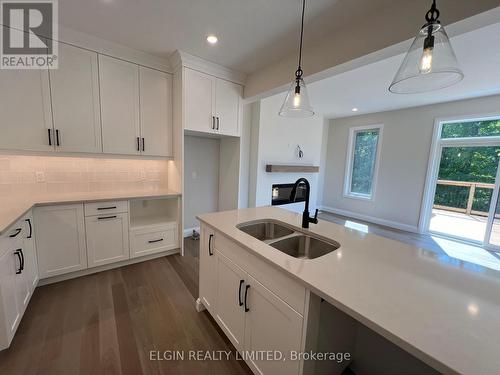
(435, 159)
(350, 162)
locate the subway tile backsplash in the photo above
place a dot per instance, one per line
(21, 174)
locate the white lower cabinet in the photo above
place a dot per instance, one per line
(60, 239)
(72, 238)
(107, 239)
(251, 314)
(270, 324)
(230, 310)
(18, 277)
(10, 314)
(29, 248)
(208, 269)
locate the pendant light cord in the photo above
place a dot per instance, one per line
(299, 72)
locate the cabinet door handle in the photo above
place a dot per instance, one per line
(218, 122)
(213, 122)
(143, 145)
(138, 144)
(210, 252)
(31, 228)
(22, 258)
(57, 138)
(18, 271)
(246, 295)
(16, 233)
(239, 293)
(106, 217)
(153, 241)
(106, 208)
(50, 137)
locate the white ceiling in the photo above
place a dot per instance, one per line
(366, 88)
(160, 27)
(252, 33)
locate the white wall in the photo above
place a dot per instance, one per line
(229, 173)
(201, 178)
(278, 138)
(406, 143)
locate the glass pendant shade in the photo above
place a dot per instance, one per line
(297, 103)
(430, 64)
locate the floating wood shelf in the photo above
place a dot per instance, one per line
(272, 168)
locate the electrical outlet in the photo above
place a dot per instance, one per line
(40, 176)
(142, 176)
(194, 175)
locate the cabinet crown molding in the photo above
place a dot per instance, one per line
(180, 58)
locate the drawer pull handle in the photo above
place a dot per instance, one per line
(210, 252)
(239, 293)
(106, 217)
(19, 254)
(16, 233)
(246, 295)
(153, 241)
(31, 228)
(106, 208)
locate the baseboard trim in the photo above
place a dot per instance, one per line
(90, 271)
(371, 219)
(189, 231)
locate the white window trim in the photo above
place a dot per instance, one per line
(350, 161)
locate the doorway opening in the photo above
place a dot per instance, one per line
(462, 188)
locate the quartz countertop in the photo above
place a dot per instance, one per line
(13, 207)
(445, 314)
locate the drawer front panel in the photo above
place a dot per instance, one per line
(104, 208)
(149, 241)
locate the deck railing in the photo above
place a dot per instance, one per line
(470, 200)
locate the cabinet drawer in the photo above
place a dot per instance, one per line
(153, 240)
(104, 208)
(281, 284)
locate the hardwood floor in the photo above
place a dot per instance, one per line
(109, 322)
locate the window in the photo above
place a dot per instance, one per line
(362, 161)
(467, 129)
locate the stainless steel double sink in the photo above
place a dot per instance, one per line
(288, 240)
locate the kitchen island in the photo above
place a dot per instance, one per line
(444, 315)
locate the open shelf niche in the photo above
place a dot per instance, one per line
(145, 213)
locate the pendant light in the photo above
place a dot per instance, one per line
(430, 63)
(297, 101)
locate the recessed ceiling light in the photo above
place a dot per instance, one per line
(212, 39)
(355, 109)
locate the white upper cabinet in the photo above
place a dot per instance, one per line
(212, 105)
(227, 107)
(156, 112)
(91, 104)
(119, 84)
(199, 101)
(26, 117)
(74, 90)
